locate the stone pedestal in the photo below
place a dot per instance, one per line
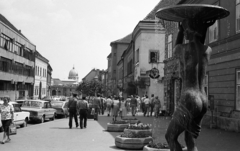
(131, 143)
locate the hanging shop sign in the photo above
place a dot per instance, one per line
(154, 73)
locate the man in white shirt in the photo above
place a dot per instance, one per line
(147, 107)
(109, 103)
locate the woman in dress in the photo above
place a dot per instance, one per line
(123, 109)
(7, 116)
(115, 108)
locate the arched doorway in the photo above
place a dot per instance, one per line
(54, 92)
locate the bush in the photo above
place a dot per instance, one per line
(139, 126)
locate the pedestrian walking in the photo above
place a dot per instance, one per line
(96, 106)
(72, 108)
(83, 107)
(115, 109)
(133, 105)
(123, 109)
(7, 116)
(146, 105)
(109, 103)
(157, 106)
(101, 105)
(151, 104)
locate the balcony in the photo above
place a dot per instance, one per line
(12, 71)
(16, 52)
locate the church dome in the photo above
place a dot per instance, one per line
(73, 74)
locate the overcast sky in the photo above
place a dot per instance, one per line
(75, 32)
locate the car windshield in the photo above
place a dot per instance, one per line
(57, 104)
(32, 104)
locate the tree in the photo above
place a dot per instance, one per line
(91, 88)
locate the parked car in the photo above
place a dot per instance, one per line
(40, 110)
(21, 118)
(61, 108)
(20, 102)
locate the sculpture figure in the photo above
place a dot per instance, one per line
(193, 58)
(194, 20)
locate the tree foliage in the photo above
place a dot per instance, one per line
(90, 88)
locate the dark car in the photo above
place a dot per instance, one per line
(61, 108)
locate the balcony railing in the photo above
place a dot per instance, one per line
(16, 48)
(16, 68)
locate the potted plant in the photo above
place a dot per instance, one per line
(117, 126)
(159, 147)
(132, 140)
(140, 127)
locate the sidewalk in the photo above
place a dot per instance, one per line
(56, 136)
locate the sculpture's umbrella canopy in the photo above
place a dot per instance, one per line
(178, 13)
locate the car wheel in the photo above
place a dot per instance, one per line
(24, 123)
(43, 119)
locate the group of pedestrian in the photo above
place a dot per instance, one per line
(6, 118)
(150, 106)
(75, 106)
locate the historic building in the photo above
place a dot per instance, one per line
(222, 77)
(117, 48)
(49, 79)
(65, 87)
(16, 62)
(40, 84)
(149, 45)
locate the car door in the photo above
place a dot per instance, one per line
(17, 114)
(46, 110)
(51, 110)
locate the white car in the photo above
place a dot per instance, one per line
(21, 118)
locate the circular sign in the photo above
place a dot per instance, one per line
(205, 12)
(154, 73)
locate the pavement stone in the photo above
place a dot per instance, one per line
(56, 136)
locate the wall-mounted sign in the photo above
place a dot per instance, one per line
(154, 73)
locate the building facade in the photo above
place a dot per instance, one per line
(16, 62)
(40, 84)
(149, 45)
(49, 79)
(117, 49)
(222, 77)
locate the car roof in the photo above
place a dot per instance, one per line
(37, 100)
(11, 102)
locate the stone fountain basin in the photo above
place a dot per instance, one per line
(131, 143)
(116, 127)
(146, 148)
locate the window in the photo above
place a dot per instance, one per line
(169, 55)
(137, 56)
(213, 32)
(129, 67)
(238, 15)
(153, 56)
(40, 72)
(36, 70)
(205, 84)
(238, 89)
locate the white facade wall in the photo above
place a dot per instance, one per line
(40, 77)
(145, 42)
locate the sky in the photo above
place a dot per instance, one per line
(75, 32)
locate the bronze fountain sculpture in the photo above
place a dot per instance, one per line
(194, 20)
